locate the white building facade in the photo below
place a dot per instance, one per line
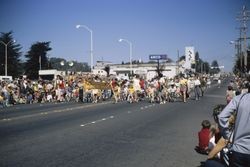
(145, 70)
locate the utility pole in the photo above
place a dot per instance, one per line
(244, 18)
(239, 55)
(201, 64)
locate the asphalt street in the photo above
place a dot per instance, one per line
(105, 134)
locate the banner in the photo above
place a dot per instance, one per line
(88, 85)
(189, 57)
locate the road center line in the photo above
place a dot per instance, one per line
(52, 111)
(97, 121)
(112, 117)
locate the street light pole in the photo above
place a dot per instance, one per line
(130, 52)
(40, 62)
(6, 56)
(91, 43)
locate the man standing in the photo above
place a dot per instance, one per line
(241, 140)
(197, 90)
(219, 82)
(136, 86)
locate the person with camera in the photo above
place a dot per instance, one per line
(240, 107)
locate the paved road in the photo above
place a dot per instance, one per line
(105, 135)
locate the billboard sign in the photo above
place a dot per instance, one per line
(158, 57)
(190, 56)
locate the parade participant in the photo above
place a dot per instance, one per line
(183, 89)
(197, 90)
(115, 88)
(125, 91)
(142, 83)
(131, 93)
(208, 83)
(5, 95)
(142, 88)
(171, 92)
(137, 87)
(2, 102)
(203, 85)
(219, 83)
(190, 87)
(151, 92)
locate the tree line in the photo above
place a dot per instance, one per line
(35, 59)
(201, 66)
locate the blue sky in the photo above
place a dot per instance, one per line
(153, 27)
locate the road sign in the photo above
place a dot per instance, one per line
(158, 57)
(216, 67)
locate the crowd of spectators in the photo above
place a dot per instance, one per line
(26, 91)
(68, 88)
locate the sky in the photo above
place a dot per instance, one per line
(152, 26)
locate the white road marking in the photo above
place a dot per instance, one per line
(6, 119)
(112, 117)
(58, 111)
(53, 111)
(85, 124)
(100, 120)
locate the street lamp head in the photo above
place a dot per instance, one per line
(6, 44)
(71, 63)
(62, 63)
(120, 40)
(232, 42)
(78, 26)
